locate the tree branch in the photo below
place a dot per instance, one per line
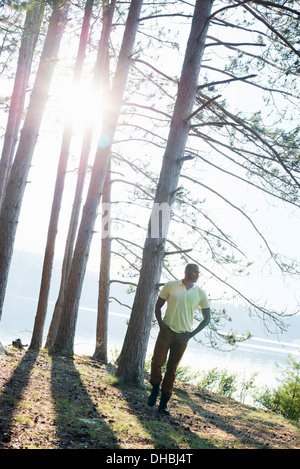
(281, 268)
(209, 101)
(280, 36)
(159, 72)
(229, 80)
(116, 299)
(257, 137)
(123, 282)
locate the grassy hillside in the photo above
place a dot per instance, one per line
(56, 402)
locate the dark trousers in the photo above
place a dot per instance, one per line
(167, 341)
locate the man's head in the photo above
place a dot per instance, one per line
(192, 272)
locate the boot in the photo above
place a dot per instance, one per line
(153, 396)
(162, 408)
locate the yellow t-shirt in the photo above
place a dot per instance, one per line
(181, 305)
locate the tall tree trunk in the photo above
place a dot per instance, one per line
(65, 336)
(132, 357)
(99, 76)
(105, 258)
(37, 336)
(104, 280)
(30, 35)
(13, 197)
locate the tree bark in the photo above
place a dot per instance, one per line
(13, 197)
(104, 280)
(66, 332)
(30, 35)
(37, 336)
(132, 358)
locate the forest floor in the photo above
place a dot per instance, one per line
(52, 402)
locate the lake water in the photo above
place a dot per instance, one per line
(255, 355)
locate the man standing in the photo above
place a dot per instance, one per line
(183, 298)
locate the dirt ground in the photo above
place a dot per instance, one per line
(76, 403)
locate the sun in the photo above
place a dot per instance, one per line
(80, 105)
(84, 107)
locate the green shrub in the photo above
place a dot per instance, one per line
(284, 400)
(219, 381)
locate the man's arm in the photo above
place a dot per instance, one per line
(205, 321)
(159, 304)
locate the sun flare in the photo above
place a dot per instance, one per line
(81, 105)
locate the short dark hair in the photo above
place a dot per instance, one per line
(191, 266)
